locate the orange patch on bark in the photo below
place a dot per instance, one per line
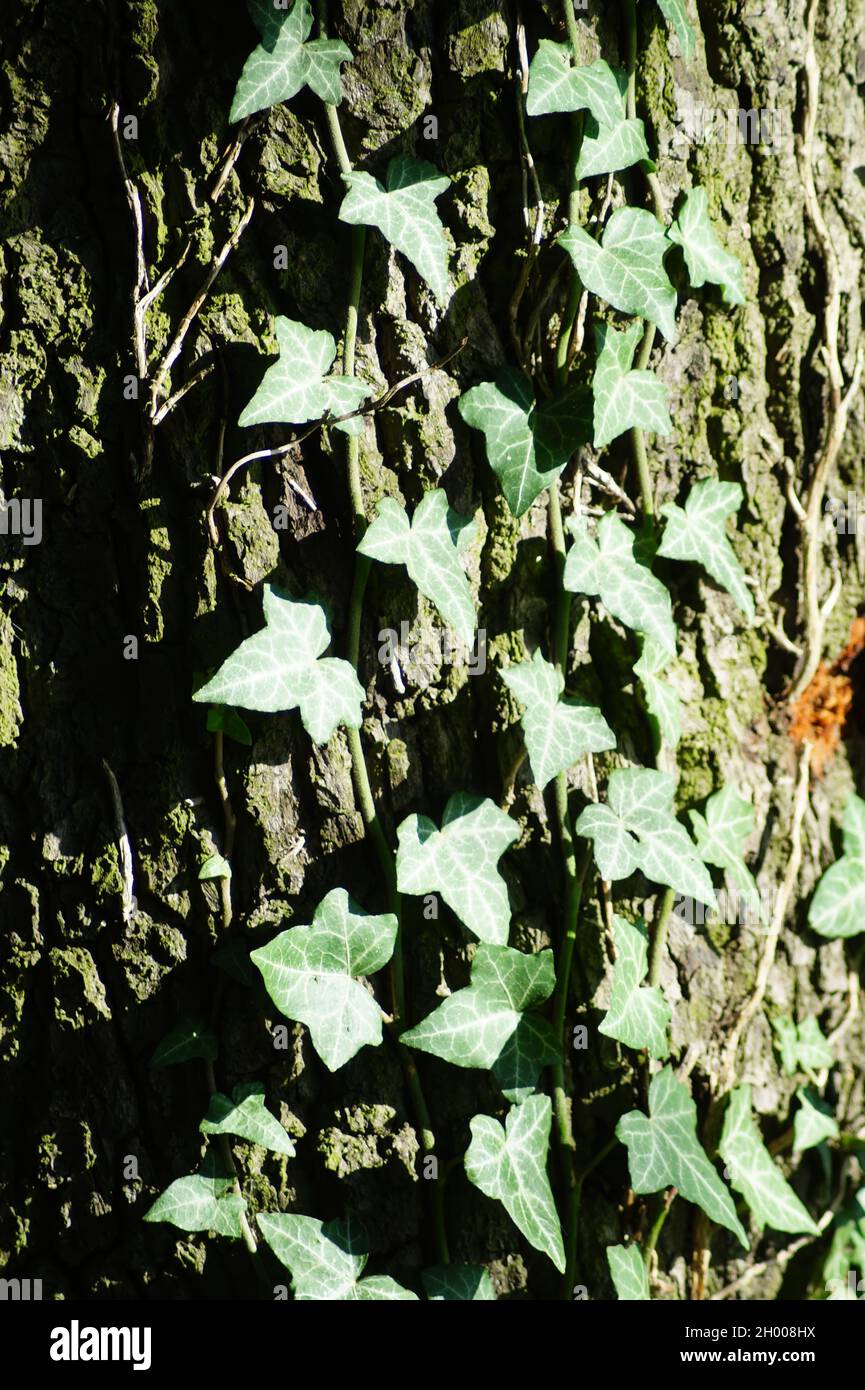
(821, 712)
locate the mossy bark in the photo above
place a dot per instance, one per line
(92, 1133)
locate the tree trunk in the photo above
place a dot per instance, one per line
(110, 621)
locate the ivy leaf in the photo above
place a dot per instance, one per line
(626, 268)
(223, 719)
(664, 1151)
(284, 62)
(528, 445)
(661, 699)
(625, 399)
(487, 1024)
(326, 1260)
(403, 209)
(214, 866)
(676, 15)
(557, 732)
(705, 257)
(189, 1038)
(459, 862)
(787, 1042)
(611, 141)
(754, 1173)
(838, 906)
(468, 1283)
(698, 532)
(814, 1122)
(297, 388)
(639, 1015)
(309, 974)
(813, 1049)
(429, 546)
(246, 1115)
(628, 1271)
(509, 1164)
(202, 1201)
(728, 822)
(636, 829)
(627, 589)
(280, 668)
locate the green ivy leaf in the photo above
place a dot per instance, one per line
(404, 210)
(838, 906)
(280, 668)
(326, 1260)
(611, 141)
(246, 1115)
(787, 1042)
(847, 1250)
(487, 1024)
(636, 829)
(664, 1151)
(201, 1202)
(625, 399)
(223, 719)
(720, 834)
(557, 732)
(459, 862)
(309, 974)
(628, 1272)
(698, 532)
(626, 268)
(814, 1122)
(189, 1038)
(705, 257)
(753, 1172)
(528, 445)
(639, 1015)
(297, 388)
(802, 1047)
(509, 1164)
(661, 699)
(676, 15)
(606, 567)
(284, 62)
(214, 866)
(468, 1283)
(429, 546)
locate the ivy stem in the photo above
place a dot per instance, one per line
(360, 771)
(572, 304)
(659, 935)
(657, 1226)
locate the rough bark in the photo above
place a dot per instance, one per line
(85, 995)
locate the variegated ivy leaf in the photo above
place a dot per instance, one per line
(814, 1122)
(661, 699)
(281, 668)
(403, 209)
(676, 15)
(838, 906)
(636, 829)
(205, 1201)
(467, 1283)
(284, 62)
(488, 1024)
(326, 1260)
(639, 1015)
(509, 1164)
(625, 399)
(459, 862)
(628, 1272)
(698, 532)
(754, 1173)
(558, 732)
(801, 1047)
(246, 1115)
(705, 257)
(626, 588)
(528, 445)
(626, 267)
(664, 1151)
(611, 141)
(720, 835)
(429, 546)
(297, 388)
(309, 973)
